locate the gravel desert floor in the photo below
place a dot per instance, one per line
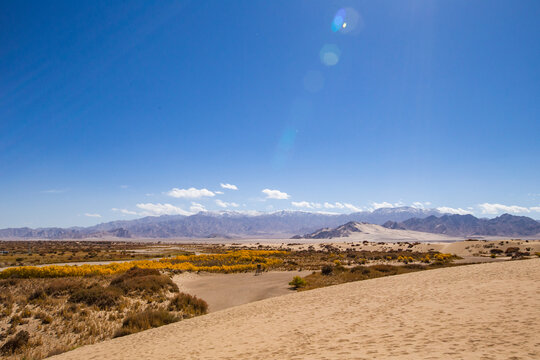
(483, 311)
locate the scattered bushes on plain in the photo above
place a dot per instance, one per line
(511, 250)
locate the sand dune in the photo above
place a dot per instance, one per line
(485, 311)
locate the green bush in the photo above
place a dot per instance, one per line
(297, 282)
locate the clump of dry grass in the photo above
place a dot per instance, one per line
(188, 304)
(143, 281)
(102, 297)
(145, 320)
(16, 343)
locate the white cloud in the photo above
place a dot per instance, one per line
(275, 194)
(219, 192)
(488, 208)
(196, 207)
(125, 211)
(352, 207)
(449, 210)
(383, 204)
(229, 186)
(161, 209)
(92, 215)
(307, 205)
(386, 204)
(420, 204)
(190, 193)
(535, 208)
(224, 204)
(336, 205)
(54, 191)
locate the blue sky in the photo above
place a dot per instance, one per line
(111, 110)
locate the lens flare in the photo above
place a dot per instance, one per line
(330, 54)
(346, 21)
(338, 21)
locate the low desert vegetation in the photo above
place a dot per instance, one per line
(297, 282)
(188, 304)
(24, 253)
(230, 262)
(40, 317)
(338, 274)
(145, 320)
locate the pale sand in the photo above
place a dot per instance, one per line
(484, 311)
(222, 291)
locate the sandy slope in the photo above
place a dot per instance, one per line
(485, 311)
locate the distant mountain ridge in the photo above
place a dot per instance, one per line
(226, 224)
(468, 225)
(284, 224)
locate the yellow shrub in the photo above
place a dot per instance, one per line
(236, 261)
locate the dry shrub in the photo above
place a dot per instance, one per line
(103, 298)
(143, 281)
(145, 320)
(188, 304)
(512, 250)
(387, 269)
(62, 286)
(414, 267)
(16, 343)
(361, 269)
(26, 313)
(327, 270)
(45, 318)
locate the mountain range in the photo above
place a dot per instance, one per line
(468, 225)
(360, 231)
(282, 224)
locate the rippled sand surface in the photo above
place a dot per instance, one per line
(484, 311)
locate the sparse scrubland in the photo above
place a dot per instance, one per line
(40, 317)
(338, 274)
(19, 253)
